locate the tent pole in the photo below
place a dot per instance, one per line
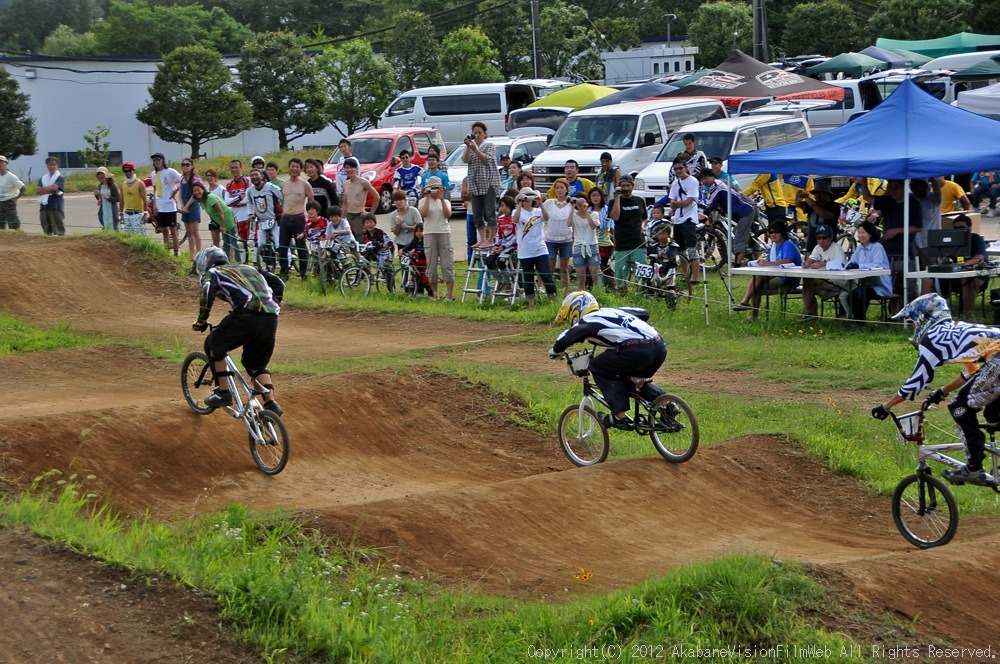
(906, 240)
(729, 244)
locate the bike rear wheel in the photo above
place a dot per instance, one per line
(355, 283)
(582, 436)
(269, 449)
(674, 428)
(925, 511)
(197, 382)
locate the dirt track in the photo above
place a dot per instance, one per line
(432, 469)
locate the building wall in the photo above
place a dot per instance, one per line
(647, 61)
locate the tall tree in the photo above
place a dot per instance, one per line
(840, 33)
(513, 47)
(193, 100)
(569, 48)
(466, 57)
(135, 27)
(719, 28)
(920, 19)
(283, 87)
(618, 32)
(17, 127)
(26, 23)
(65, 41)
(360, 86)
(416, 61)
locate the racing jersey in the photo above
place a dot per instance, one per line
(316, 228)
(943, 342)
(406, 178)
(243, 287)
(717, 198)
(506, 232)
(264, 204)
(381, 245)
(608, 327)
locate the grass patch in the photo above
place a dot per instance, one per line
(18, 336)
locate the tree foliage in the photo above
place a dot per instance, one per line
(17, 127)
(415, 61)
(359, 85)
(920, 19)
(467, 57)
(193, 100)
(65, 41)
(282, 86)
(26, 23)
(719, 28)
(513, 47)
(98, 149)
(618, 32)
(568, 47)
(134, 27)
(825, 27)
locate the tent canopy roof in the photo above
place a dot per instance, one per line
(981, 71)
(855, 64)
(576, 96)
(962, 42)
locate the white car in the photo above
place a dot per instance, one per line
(522, 148)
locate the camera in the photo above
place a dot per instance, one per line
(470, 137)
(574, 200)
(528, 197)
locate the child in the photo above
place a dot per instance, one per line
(403, 219)
(315, 224)
(378, 246)
(406, 178)
(663, 256)
(418, 263)
(504, 244)
(338, 231)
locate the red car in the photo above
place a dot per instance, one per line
(378, 150)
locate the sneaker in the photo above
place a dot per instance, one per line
(805, 318)
(504, 289)
(611, 422)
(273, 406)
(992, 212)
(218, 399)
(742, 307)
(965, 475)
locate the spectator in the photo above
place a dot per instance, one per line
(220, 218)
(483, 181)
(11, 191)
(264, 201)
(418, 264)
(435, 209)
(532, 254)
(295, 193)
(819, 208)
(504, 246)
(324, 191)
(190, 208)
(236, 199)
(434, 170)
(715, 164)
(51, 187)
(357, 190)
(212, 184)
(404, 219)
(782, 251)
(872, 255)
(875, 185)
(344, 146)
(258, 163)
(271, 170)
(165, 183)
(577, 186)
(513, 172)
(952, 195)
(929, 198)
(628, 213)
(133, 203)
(607, 177)
(108, 196)
(558, 224)
(891, 208)
(685, 193)
(825, 252)
(605, 234)
(697, 161)
(971, 286)
(770, 188)
(985, 183)
(407, 177)
(586, 255)
(717, 198)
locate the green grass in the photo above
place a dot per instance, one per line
(19, 336)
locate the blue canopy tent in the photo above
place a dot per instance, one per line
(909, 135)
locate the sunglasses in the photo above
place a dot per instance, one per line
(127, 170)
(822, 237)
(186, 164)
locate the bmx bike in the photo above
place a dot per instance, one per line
(668, 420)
(267, 435)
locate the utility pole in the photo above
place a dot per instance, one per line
(536, 39)
(761, 46)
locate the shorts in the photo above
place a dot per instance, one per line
(686, 236)
(255, 332)
(579, 260)
(166, 219)
(560, 249)
(193, 215)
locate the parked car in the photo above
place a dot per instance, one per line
(537, 120)
(378, 150)
(521, 148)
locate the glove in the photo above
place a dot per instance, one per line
(937, 396)
(880, 412)
(553, 354)
(199, 326)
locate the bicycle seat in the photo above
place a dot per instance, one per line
(990, 427)
(641, 382)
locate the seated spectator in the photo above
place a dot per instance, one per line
(972, 286)
(985, 183)
(823, 253)
(782, 251)
(869, 254)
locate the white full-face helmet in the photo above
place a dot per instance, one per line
(924, 313)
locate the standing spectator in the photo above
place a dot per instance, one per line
(715, 164)
(435, 208)
(434, 170)
(952, 195)
(771, 189)
(166, 182)
(930, 210)
(356, 193)
(295, 193)
(236, 190)
(483, 180)
(577, 187)
(891, 208)
(133, 203)
(258, 163)
(697, 161)
(220, 217)
(404, 219)
(605, 234)
(586, 255)
(436, 151)
(345, 153)
(11, 190)
(532, 254)
(51, 187)
(108, 197)
(819, 207)
(557, 214)
(264, 199)
(324, 191)
(684, 195)
(607, 177)
(508, 186)
(190, 208)
(212, 184)
(628, 213)
(271, 170)
(407, 177)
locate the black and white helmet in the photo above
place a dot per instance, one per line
(208, 258)
(924, 313)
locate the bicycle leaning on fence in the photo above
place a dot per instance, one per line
(267, 434)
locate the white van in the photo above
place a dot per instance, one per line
(632, 132)
(720, 138)
(960, 61)
(451, 109)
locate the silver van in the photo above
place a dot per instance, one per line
(451, 109)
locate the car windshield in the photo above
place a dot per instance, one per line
(712, 143)
(546, 118)
(598, 132)
(366, 150)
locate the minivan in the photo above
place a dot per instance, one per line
(720, 138)
(632, 132)
(453, 108)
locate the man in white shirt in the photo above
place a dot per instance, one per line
(166, 183)
(825, 252)
(684, 194)
(11, 190)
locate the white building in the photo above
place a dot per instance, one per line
(652, 59)
(70, 97)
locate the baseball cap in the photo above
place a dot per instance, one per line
(3, 158)
(505, 156)
(128, 165)
(822, 185)
(715, 160)
(157, 155)
(626, 178)
(824, 230)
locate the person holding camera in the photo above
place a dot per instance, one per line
(483, 182)
(532, 254)
(557, 213)
(586, 254)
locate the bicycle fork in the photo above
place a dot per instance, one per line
(926, 494)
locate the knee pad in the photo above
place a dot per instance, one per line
(256, 372)
(963, 414)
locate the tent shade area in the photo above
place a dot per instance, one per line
(901, 138)
(984, 101)
(742, 77)
(918, 59)
(891, 58)
(855, 64)
(981, 71)
(962, 42)
(576, 96)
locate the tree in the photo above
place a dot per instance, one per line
(282, 86)
(618, 32)
(840, 34)
(513, 47)
(920, 19)
(987, 17)
(17, 127)
(466, 57)
(415, 61)
(134, 27)
(98, 149)
(569, 48)
(360, 86)
(65, 41)
(719, 28)
(193, 100)
(26, 23)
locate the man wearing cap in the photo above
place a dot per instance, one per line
(134, 201)
(715, 165)
(822, 254)
(607, 177)
(504, 164)
(166, 182)
(628, 212)
(11, 190)
(50, 189)
(356, 192)
(819, 208)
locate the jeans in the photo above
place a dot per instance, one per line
(985, 188)
(292, 225)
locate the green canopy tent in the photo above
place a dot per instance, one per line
(576, 96)
(687, 80)
(981, 71)
(855, 64)
(963, 42)
(918, 59)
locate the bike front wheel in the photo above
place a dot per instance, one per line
(355, 283)
(924, 511)
(269, 444)
(582, 436)
(674, 428)
(197, 382)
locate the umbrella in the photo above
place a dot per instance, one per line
(633, 93)
(854, 64)
(894, 60)
(742, 77)
(918, 59)
(981, 71)
(576, 96)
